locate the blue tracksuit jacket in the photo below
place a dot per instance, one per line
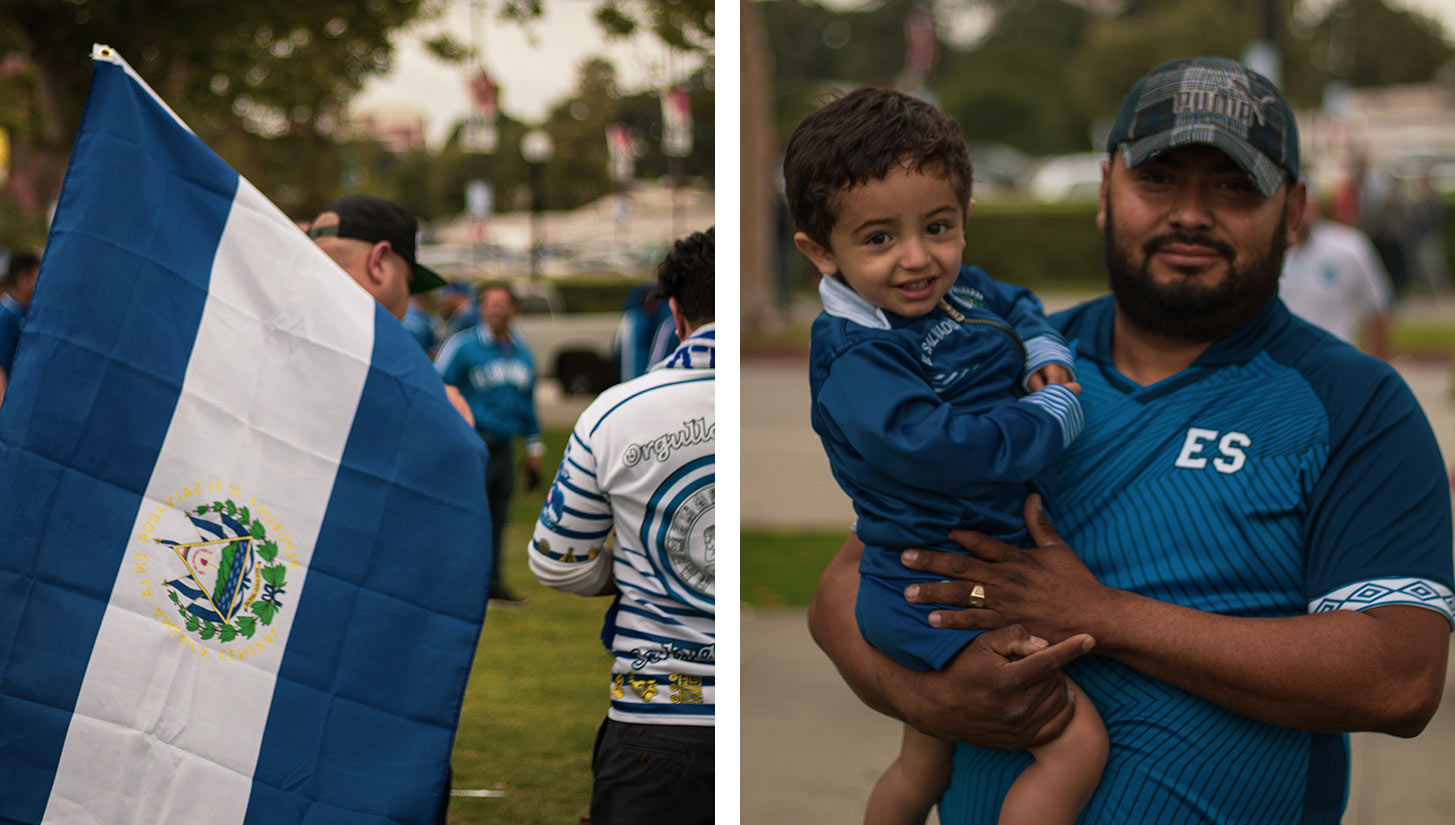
(928, 428)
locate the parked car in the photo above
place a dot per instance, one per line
(1068, 178)
(573, 348)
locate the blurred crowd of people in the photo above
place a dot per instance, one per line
(1369, 241)
(1403, 217)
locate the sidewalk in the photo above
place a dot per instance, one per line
(811, 750)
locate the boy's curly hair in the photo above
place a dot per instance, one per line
(856, 139)
(687, 274)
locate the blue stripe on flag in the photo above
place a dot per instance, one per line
(111, 328)
(372, 676)
(390, 587)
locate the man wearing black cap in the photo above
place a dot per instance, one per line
(375, 241)
(1261, 521)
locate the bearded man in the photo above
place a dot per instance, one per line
(1261, 520)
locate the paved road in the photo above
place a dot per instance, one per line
(811, 751)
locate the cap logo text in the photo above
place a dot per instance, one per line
(1235, 102)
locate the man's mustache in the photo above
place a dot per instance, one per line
(1152, 246)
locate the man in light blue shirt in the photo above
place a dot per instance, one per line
(495, 371)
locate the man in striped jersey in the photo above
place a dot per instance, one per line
(1261, 523)
(640, 462)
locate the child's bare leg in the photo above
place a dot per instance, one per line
(1054, 789)
(914, 782)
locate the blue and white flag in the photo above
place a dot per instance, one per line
(244, 543)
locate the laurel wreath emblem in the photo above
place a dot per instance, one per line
(274, 575)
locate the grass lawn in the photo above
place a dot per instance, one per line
(781, 568)
(537, 691)
(1422, 337)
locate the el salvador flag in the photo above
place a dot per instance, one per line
(244, 543)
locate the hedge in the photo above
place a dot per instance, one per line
(1043, 246)
(1051, 246)
(602, 293)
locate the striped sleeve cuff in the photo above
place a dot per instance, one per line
(1063, 405)
(585, 576)
(1372, 593)
(1043, 350)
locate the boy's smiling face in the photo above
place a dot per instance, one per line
(896, 241)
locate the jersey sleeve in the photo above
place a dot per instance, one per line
(1378, 530)
(569, 550)
(1022, 310)
(874, 396)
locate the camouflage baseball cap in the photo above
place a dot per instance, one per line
(1215, 102)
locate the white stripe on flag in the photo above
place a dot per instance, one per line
(268, 401)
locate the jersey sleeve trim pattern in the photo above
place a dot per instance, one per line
(1365, 595)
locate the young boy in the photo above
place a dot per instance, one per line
(942, 398)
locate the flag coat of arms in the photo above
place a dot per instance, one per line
(244, 543)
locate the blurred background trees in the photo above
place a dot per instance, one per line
(1038, 74)
(267, 84)
(1035, 85)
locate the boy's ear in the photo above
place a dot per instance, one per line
(822, 258)
(969, 207)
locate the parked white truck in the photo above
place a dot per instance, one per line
(574, 348)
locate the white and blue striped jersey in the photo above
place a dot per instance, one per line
(1282, 473)
(641, 462)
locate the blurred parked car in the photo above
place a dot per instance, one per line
(575, 347)
(1068, 178)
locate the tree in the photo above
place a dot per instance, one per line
(686, 25)
(643, 113)
(1366, 43)
(1117, 51)
(236, 72)
(815, 49)
(1015, 86)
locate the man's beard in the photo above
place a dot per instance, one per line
(1187, 310)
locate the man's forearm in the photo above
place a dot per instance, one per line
(832, 624)
(1003, 690)
(1380, 670)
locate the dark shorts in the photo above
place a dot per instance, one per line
(648, 773)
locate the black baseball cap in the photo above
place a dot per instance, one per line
(374, 219)
(1215, 102)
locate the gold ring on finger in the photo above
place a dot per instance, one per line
(976, 597)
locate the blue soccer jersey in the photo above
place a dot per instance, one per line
(1282, 473)
(498, 381)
